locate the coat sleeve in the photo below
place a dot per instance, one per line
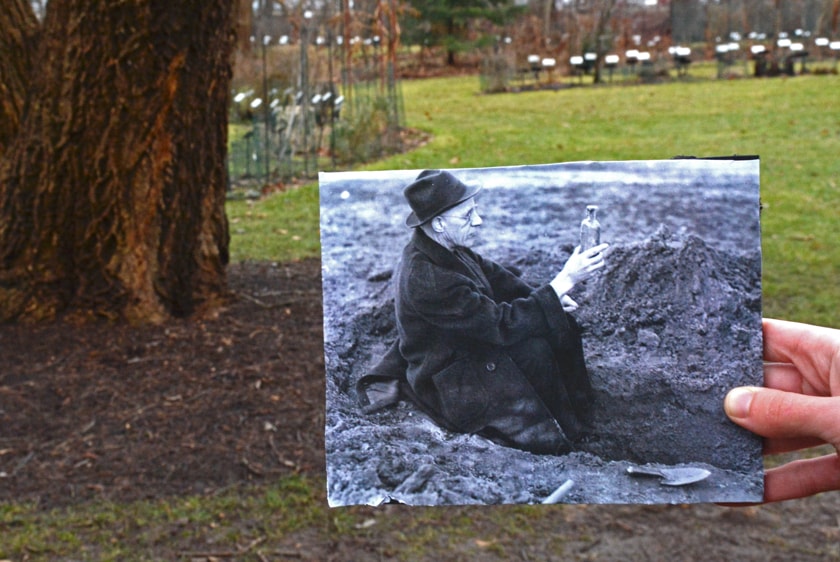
(507, 285)
(455, 303)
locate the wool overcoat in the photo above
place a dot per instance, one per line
(457, 314)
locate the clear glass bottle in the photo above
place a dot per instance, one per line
(590, 229)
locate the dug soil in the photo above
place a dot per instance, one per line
(237, 399)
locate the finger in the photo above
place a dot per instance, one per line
(590, 265)
(812, 349)
(802, 478)
(596, 250)
(777, 414)
(782, 376)
(596, 259)
(777, 446)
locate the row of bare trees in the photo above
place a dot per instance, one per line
(560, 30)
(569, 27)
(686, 20)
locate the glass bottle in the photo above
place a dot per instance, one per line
(590, 229)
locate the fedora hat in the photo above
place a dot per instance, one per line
(433, 192)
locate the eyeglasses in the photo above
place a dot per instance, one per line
(471, 216)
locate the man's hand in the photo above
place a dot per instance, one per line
(799, 408)
(568, 303)
(579, 267)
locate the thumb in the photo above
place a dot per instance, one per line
(778, 414)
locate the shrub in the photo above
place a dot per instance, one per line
(367, 132)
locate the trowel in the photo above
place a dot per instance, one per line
(671, 476)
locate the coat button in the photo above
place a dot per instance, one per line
(490, 366)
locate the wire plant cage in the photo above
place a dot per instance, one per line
(318, 90)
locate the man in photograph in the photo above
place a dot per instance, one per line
(479, 350)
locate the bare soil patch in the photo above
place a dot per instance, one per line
(124, 413)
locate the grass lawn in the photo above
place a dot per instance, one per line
(282, 227)
(792, 124)
(154, 528)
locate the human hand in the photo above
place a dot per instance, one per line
(579, 267)
(568, 303)
(798, 408)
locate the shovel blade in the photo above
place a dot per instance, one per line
(683, 476)
(672, 476)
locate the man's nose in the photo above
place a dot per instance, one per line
(475, 220)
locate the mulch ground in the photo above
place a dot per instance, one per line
(125, 413)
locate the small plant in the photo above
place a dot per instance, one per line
(496, 72)
(368, 132)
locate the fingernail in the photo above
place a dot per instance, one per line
(737, 402)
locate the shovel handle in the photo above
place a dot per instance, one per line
(637, 470)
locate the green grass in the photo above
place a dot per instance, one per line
(282, 227)
(164, 529)
(258, 523)
(792, 124)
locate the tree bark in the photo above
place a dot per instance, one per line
(604, 15)
(548, 8)
(112, 194)
(18, 34)
(243, 25)
(450, 52)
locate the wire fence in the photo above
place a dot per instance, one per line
(296, 139)
(324, 96)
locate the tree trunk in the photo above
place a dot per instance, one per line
(604, 13)
(18, 33)
(243, 25)
(112, 194)
(548, 8)
(450, 52)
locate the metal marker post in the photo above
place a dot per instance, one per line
(266, 109)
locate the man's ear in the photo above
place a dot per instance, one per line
(437, 224)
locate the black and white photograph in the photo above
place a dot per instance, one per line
(560, 333)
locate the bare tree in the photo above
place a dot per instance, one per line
(603, 10)
(589, 24)
(243, 25)
(828, 16)
(112, 191)
(18, 33)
